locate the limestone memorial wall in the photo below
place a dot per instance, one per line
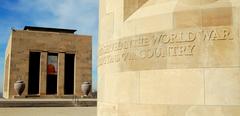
(169, 58)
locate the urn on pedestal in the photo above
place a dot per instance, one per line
(86, 87)
(19, 87)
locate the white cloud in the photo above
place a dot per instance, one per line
(79, 14)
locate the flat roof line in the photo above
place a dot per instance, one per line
(47, 29)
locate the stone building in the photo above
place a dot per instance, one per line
(169, 58)
(52, 62)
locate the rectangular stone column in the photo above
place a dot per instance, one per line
(43, 73)
(78, 77)
(60, 78)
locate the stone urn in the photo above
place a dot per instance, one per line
(19, 87)
(86, 87)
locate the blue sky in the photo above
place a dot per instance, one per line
(81, 15)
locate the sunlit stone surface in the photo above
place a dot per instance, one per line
(169, 58)
(48, 73)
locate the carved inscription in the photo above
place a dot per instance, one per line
(160, 45)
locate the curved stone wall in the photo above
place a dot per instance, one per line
(169, 58)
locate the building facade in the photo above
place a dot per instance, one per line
(169, 58)
(52, 62)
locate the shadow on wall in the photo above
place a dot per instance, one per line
(203, 17)
(131, 6)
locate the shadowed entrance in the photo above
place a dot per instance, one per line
(52, 71)
(34, 66)
(69, 74)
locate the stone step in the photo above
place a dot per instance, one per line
(48, 103)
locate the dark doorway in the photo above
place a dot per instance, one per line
(52, 71)
(69, 74)
(34, 66)
(51, 84)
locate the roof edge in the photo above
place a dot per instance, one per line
(48, 29)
